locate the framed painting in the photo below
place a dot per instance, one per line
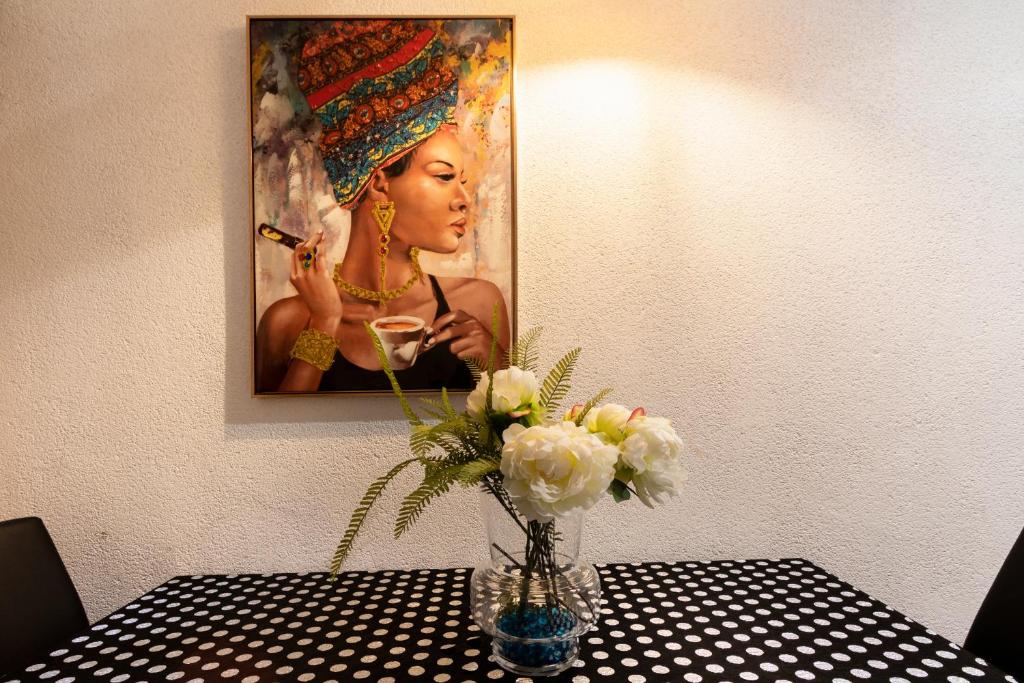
(382, 200)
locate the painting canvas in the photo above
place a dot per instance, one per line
(383, 200)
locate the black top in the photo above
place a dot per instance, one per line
(435, 368)
(661, 622)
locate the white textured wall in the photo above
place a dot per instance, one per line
(793, 227)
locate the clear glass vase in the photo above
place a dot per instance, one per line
(535, 598)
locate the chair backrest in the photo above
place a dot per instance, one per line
(39, 606)
(996, 634)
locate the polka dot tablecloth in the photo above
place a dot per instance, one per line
(756, 620)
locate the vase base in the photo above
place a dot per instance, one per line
(501, 652)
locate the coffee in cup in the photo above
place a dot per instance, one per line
(401, 336)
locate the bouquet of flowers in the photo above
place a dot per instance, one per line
(542, 467)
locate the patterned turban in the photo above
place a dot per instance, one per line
(379, 88)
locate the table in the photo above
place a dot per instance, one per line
(753, 620)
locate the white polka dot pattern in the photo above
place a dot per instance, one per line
(758, 620)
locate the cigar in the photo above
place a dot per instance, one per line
(275, 235)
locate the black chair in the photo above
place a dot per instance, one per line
(39, 606)
(997, 632)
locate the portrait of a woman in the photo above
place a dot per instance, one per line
(377, 113)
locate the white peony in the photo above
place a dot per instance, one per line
(555, 470)
(515, 394)
(651, 450)
(608, 422)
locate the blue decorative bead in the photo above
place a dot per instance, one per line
(536, 622)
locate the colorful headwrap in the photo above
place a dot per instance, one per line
(379, 87)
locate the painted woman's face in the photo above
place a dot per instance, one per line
(430, 197)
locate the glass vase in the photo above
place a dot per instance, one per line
(535, 597)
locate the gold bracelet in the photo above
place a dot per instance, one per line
(316, 348)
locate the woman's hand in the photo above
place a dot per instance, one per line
(311, 278)
(470, 338)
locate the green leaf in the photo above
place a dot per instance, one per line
(475, 368)
(421, 440)
(493, 355)
(432, 408)
(619, 491)
(433, 404)
(451, 434)
(356, 521)
(589, 405)
(386, 367)
(475, 470)
(434, 484)
(449, 409)
(491, 358)
(556, 385)
(524, 352)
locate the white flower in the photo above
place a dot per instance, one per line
(515, 394)
(651, 449)
(608, 422)
(557, 470)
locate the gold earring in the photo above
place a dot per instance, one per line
(384, 214)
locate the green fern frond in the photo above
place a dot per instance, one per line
(475, 470)
(448, 432)
(386, 367)
(459, 448)
(420, 440)
(434, 485)
(589, 405)
(433, 408)
(356, 521)
(470, 442)
(446, 404)
(524, 352)
(457, 424)
(432, 467)
(430, 438)
(476, 368)
(491, 358)
(556, 384)
(432, 403)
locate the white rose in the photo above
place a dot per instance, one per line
(651, 449)
(557, 470)
(608, 422)
(515, 393)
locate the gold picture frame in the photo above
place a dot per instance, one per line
(339, 108)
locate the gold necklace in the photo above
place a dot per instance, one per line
(386, 295)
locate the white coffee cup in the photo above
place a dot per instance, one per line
(401, 336)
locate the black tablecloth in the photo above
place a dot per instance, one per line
(756, 620)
